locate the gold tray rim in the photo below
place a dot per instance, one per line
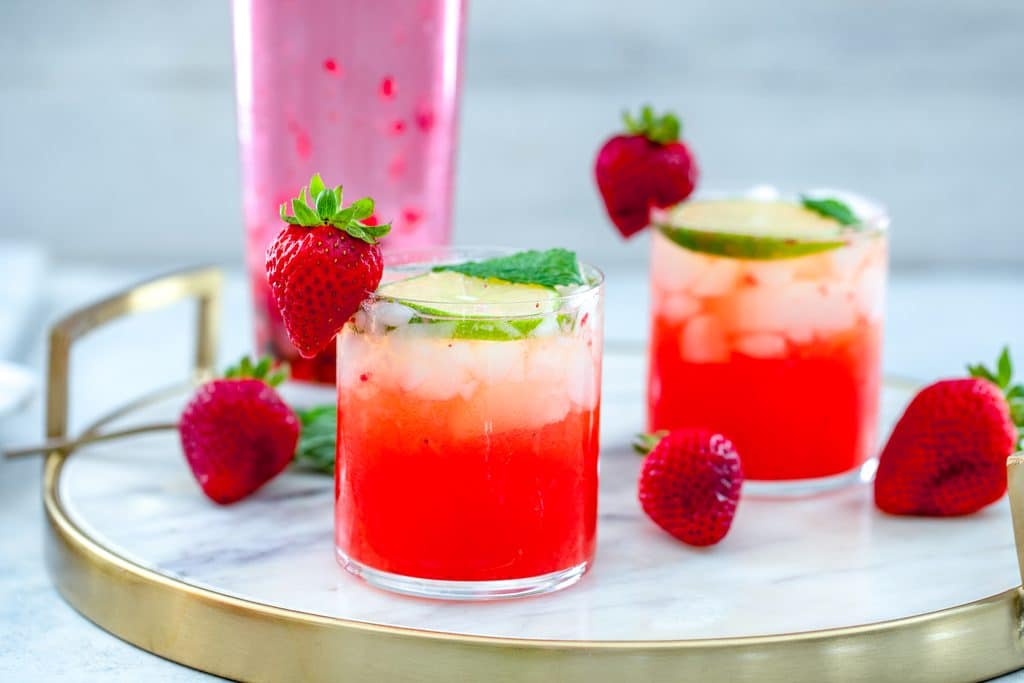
(248, 640)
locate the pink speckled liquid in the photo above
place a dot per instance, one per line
(365, 92)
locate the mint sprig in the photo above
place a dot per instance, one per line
(552, 268)
(831, 208)
(659, 129)
(317, 439)
(327, 209)
(1003, 378)
(246, 369)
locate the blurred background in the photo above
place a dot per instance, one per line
(119, 160)
(119, 142)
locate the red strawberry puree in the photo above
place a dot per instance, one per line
(468, 459)
(783, 357)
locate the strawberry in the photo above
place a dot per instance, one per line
(237, 433)
(690, 483)
(947, 454)
(323, 265)
(647, 167)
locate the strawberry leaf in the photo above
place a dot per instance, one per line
(376, 231)
(343, 217)
(1004, 368)
(245, 369)
(359, 231)
(290, 220)
(1016, 391)
(645, 443)
(661, 130)
(307, 217)
(262, 367)
(316, 186)
(328, 209)
(981, 372)
(326, 204)
(362, 208)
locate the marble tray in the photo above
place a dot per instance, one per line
(787, 566)
(821, 588)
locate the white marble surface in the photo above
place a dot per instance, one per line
(937, 320)
(786, 566)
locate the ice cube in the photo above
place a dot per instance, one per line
(870, 293)
(673, 268)
(497, 361)
(677, 306)
(390, 314)
(798, 310)
(762, 345)
(767, 273)
(716, 278)
(703, 340)
(581, 380)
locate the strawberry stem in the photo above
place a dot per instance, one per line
(645, 443)
(327, 209)
(245, 369)
(658, 129)
(1003, 378)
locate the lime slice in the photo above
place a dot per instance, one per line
(480, 308)
(751, 229)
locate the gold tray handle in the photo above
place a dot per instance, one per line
(1015, 485)
(201, 284)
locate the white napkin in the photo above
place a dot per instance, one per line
(22, 268)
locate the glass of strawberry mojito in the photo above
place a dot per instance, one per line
(468, 410)
(767, 326)
(365, 92)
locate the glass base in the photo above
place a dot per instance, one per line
(463, 590)
(796, 488)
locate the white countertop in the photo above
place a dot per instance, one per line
(937, 322)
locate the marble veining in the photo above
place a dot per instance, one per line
(821, 562)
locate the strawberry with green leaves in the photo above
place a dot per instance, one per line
(324, 264)
(690, 483)
(947, 454)
(646, 167)
(237, 432)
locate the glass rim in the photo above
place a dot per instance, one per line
(873, 216)
(420, 258)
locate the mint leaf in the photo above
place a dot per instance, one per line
(550, 268)
(831, 208)
(326, 204)
(316, 186)
(317, 439)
